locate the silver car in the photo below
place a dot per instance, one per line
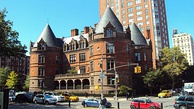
(93, 102)
(56, 95)
(44, 99)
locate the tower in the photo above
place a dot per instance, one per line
(150, 17)
(45, 60)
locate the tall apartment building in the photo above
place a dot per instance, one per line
(149, 16)
(185, 42)
(19, 65)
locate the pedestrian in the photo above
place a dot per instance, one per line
(103, 102)
(127, 95)
(86, 94)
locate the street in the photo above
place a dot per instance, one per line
(122, 103)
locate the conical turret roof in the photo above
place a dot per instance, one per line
(136, 35)
(47, 36)
(107, 17)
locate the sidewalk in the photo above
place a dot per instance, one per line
(112, 98)
(108, 98)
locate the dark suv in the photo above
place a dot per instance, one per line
(184, 102)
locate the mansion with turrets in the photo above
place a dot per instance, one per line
(107, 47)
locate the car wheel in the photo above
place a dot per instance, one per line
(46, 102)
(152, 107)
(132, 107)
(182, 107)
(86, 105)
(35, 102)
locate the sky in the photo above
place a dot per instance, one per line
(29, 17)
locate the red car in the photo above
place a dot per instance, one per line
(145, 103)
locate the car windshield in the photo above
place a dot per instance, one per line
(56, 94)
(164, 91)
(148, 101)
(48, 93)
(188, 86)
(48, 96)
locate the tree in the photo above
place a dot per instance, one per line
(26, 84)
(174, 62)
(12, 80)
(72, 71)
(150, 79)
(9, 43)
(4, 72)
(124, 89)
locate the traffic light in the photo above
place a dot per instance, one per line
(135, 70)
(139, 69)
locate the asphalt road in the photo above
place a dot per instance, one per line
(122, 103)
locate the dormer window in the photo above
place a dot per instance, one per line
(65, 47)
(82, 42)
(41, 46)
(73, 45)
(82, 45)
(109, 33)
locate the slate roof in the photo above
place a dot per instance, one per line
(136, 35)
(48, 36)
(107, 17)
(77, 38)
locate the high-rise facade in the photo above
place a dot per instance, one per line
(148, 15)
(185, 42)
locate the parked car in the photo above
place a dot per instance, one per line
(184, 93)
(145, 103)
(93, 102)
(56, 95)
(184, 102)
(44, 99)
(165, 93)
(12, 97)
(24, 97)
(71, 97)
(74, 98)
(66, 96)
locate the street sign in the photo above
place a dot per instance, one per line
(101, 76)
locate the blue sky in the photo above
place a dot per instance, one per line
(29, 17)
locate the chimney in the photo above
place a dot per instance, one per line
(95, 25)
(86, 29)
(148, 34)
(74, 32)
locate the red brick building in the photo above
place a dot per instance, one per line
(106, 49)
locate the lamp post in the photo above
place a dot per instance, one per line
(116, 77)
(101, 76)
